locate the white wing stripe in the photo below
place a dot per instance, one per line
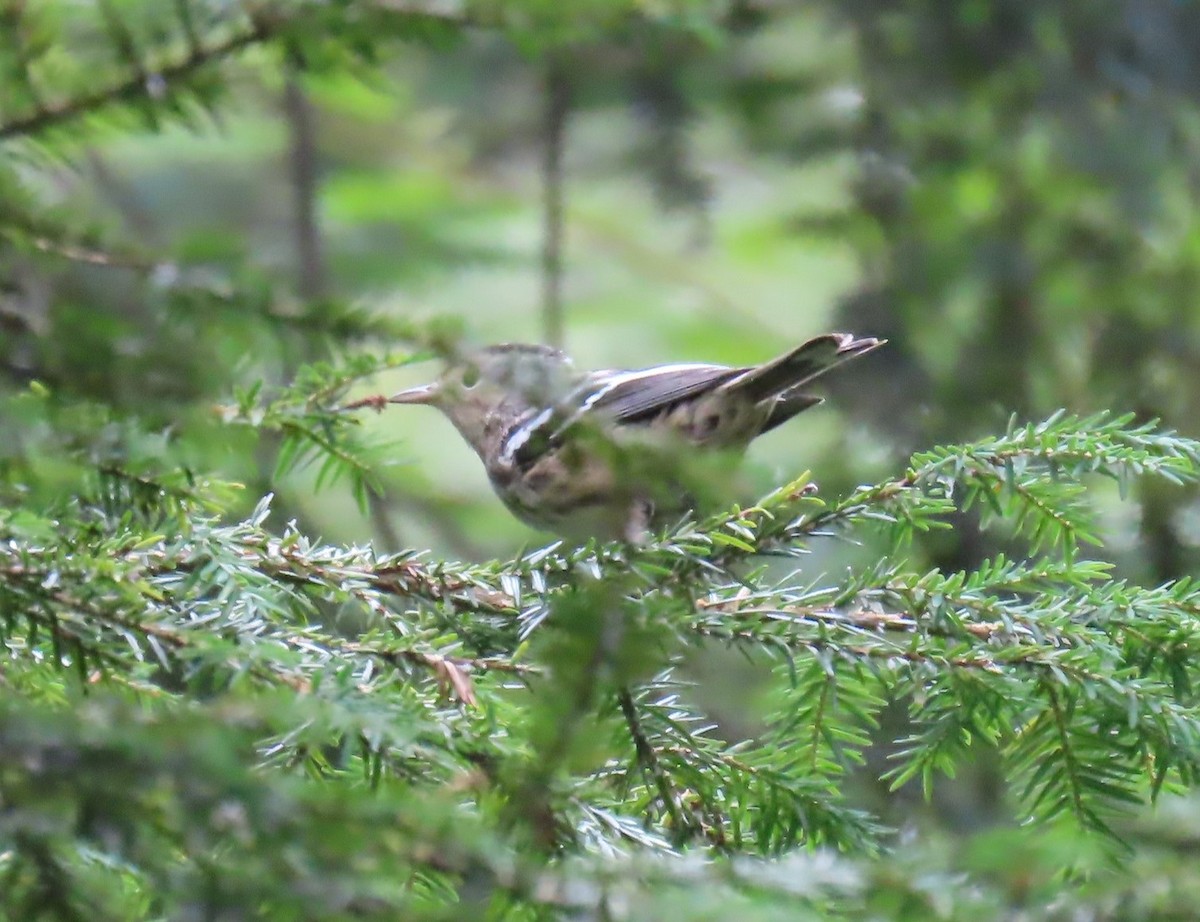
(618, 378)
(596, 387)
(522, 433)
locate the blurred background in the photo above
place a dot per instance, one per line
(1005, 189)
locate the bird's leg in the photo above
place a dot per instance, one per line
(637, 524)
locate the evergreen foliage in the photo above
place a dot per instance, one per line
(207, 712)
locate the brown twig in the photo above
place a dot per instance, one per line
(376, 402)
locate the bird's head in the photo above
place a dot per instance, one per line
(486, 388)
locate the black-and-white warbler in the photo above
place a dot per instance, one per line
(607, 453)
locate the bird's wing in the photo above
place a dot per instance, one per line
(633, 396)
(799, 366)
(618, 396)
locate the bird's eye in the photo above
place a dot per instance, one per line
(470, 377)
(708, 424)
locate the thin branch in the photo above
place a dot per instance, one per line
(137, 86)
(648, 759)
(557, 95)
(399, 577)
(91, 256)
(302, 162)
(1071, 769)
(451, 670)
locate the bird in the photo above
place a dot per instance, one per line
(610, 454)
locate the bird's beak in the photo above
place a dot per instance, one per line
(425, 394)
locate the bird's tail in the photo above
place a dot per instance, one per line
(799, 366)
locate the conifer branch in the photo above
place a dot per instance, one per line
(149, 84)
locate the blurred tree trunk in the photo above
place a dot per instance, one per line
(556, 92)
